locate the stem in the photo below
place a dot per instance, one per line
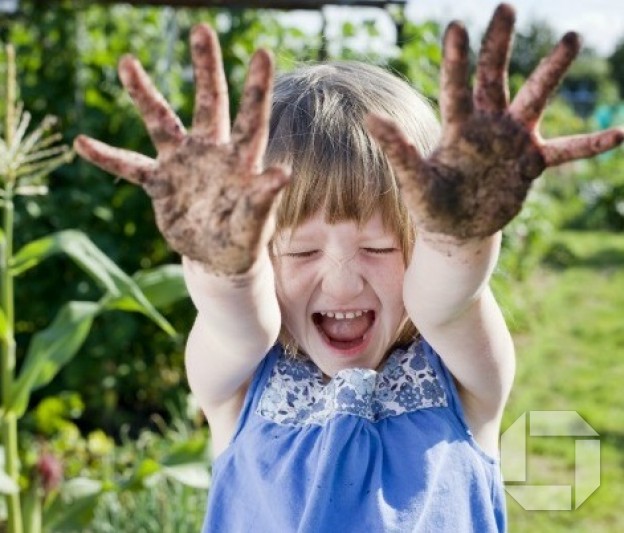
(7, 364)
(10, 97)
(7, 356)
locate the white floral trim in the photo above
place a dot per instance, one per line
(295, 394)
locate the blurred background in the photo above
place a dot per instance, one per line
(107, 436)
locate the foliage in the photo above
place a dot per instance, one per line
(122, 376)
(420, 56)
(530, 46)
(594, 72)
(598, 193)
(528, 237)
(587, 83)
(25, 160)
(616, 62)
(111, 485)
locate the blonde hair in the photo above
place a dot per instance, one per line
(318, 129)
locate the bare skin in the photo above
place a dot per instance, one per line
(213, 201)
(477, 179)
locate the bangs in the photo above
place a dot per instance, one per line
(336, 166)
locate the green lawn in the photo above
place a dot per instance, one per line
(568, 322)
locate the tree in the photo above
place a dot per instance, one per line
(616, 62)
(530, 46)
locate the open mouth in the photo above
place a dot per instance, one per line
(345, 331)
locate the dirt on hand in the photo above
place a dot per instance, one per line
(212, 200)
(476, 180)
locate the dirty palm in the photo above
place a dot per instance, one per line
(215, 201)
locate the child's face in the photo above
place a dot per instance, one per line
(340, 289)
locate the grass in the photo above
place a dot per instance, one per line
(569, 329)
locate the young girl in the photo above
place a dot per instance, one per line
(328, 411)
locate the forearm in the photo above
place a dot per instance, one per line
(241, 310)
(238, 321)
(445, 276)
(447, 296)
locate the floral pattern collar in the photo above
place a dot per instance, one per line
(296, 394)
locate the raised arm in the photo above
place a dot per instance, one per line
(214, 204)
(460, 197)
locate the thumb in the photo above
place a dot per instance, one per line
(267, 185)
(401, 152)
(410, 169)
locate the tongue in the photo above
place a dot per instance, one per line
(348, 329)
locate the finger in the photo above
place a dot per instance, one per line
(401, 153)
(134, 167)
(251, 127)
(491, 93)
(211, 117)
(455, 95)
(269, 184)
(163, 125)
(563, 149)
(529, 103)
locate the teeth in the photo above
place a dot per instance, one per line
(342, 316)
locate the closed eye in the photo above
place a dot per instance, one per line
(307, 253)
(380, 251)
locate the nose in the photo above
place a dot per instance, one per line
(342, 280)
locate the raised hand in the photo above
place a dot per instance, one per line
(476, 180)
(213, 201)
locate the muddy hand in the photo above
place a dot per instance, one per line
(476, 180)
(213, 201)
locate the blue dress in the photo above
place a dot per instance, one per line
(369, 451)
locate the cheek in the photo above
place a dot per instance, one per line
(291, 284)
(388, 278)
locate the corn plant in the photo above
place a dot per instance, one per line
(26, 159)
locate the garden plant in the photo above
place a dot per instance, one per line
(37, 499)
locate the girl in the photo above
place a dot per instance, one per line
(328, 411)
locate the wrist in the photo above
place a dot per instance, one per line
(452, 246)
(198, 273)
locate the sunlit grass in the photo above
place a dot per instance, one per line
(570, 350)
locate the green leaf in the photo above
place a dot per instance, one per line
(193, 475)
(146, 474)
(162, 285)
(76, 245)
(187, 463)
(192, 450)
(122, 292)
(74, 508)
(80, 487)
(51, 349)
(348, 29)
